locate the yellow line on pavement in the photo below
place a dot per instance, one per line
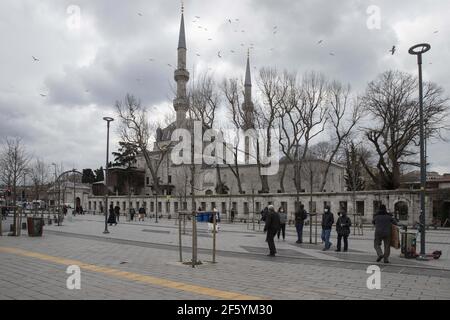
(132, 276)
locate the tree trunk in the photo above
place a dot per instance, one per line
(283, 172)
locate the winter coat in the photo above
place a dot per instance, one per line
(300, 216)
(327, 221)
(283, 217)
(383, 222)
(343, 225)
(264, 213)
(112, 216)
(272, 221)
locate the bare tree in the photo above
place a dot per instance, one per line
(231, 91)
(39, 176)
(205, 99)
(136, 130)
(13, 162)
(343, 113)
(391, 100)
(274, 88)
(313, 116)
(291, 127)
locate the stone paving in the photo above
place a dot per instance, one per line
(149, 249)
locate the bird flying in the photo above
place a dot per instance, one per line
(331, 53)
(35, 59)
(320, 41)
(392, 51)
(218, 54)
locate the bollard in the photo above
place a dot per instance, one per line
(179, 238)
(214, 237)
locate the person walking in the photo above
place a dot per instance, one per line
(112, 216)
(327, 224)
(283, 219)
(141, 213)
(232, 214)
(117, 213)
(300, 217)
(272, 226)
(343, 225)
(383, 222)
(132, 213)
(264, 213)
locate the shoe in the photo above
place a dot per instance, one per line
(337, 250)
(324, 249)
(271, 255)
(379, 258)
(345, 250)
(298, 241)
(386, 261)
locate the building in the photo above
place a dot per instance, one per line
(175, 188)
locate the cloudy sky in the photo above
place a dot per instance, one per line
(92, 52)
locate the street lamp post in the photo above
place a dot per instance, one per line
(108, 121)
(418, 50)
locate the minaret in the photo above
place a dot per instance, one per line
(181, 102)
(247, 106)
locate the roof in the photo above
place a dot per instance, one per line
(182, 38)
(248, 78)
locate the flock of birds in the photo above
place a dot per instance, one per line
(220, 53)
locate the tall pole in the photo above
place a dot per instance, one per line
(74, 200)
(108, 120)
(418, 50)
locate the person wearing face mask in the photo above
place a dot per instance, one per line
(283, 219)
(343, 225)
(327, 224)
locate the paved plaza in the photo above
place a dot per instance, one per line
(140, 260)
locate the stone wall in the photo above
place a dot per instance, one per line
(250, 205)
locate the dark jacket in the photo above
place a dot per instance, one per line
(327, 220)
(273, 223)
(141, 210)
(117, 210)
(343, 225)
(112, 216)
(264, 213)
(300, 216)
(383, 222)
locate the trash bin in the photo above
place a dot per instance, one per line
(35, 226)
(408, 244)
(199, 217)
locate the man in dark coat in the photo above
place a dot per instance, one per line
(117, 213)
(272, 226)
(300, 217)
(343, 225)
(327, 224)
(383, 222)
(112, 216)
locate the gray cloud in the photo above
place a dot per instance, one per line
(83, 73)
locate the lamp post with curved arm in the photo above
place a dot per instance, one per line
(418, 50)
(108, 121)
